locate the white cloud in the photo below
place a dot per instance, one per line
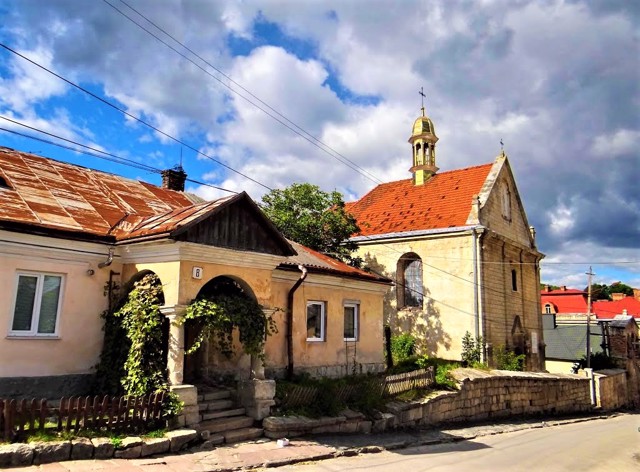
(622, 141)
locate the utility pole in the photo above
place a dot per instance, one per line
(590, 274)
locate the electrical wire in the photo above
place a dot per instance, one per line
(295, 128)
(139, 120)
(93, 152)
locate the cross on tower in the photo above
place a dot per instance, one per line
(421, 92)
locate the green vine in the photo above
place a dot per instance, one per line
(133, 357)
(220, 316)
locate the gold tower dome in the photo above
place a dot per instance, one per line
(423, 148)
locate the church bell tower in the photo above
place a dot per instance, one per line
(423, 143)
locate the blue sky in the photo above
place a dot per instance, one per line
(557, 81)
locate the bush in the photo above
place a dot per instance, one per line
(442, 369)
(599, 361)
(506, 359)
(471, 350)
(402, 347)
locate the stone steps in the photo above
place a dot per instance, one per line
(223, 418)
(243, 434)
(223, 425)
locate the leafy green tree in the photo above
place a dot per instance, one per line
(599, 292)
(619, 287)
(314, 218)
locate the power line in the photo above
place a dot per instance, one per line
(149, 125)
(92, 152)
(295, 128)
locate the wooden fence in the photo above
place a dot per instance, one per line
(298, 395)
(116, 414)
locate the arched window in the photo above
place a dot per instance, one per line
(547, 309)
(409, 278)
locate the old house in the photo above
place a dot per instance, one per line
(459, 247)
(69, 235)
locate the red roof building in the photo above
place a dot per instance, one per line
(459, 247)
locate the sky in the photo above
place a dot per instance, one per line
(326, 92)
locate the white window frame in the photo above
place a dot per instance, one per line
(35, 315)
(356, 319)
(323, 320)
(547, 308)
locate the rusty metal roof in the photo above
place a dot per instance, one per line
(321, 263)
(54, 195)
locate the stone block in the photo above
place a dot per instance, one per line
(55, 451)
(181, 437)
(81, 449)
(103, 448)
(131, 448)
(151, 446)
(364, 427)
(15, 455)
(186, 393)
(351, 426)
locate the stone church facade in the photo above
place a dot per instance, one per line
(461, 252)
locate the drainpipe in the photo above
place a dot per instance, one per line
(293, 289)
(109, 259)
(478, 233)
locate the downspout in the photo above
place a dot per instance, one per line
(293, 289)
(109, 259)
(478, 292)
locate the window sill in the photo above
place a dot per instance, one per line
(351, 340)
(315, 340)
(32, 336)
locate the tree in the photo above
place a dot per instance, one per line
(599, 292)
(619, 287)
(313, 218)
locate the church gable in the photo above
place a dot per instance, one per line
(501, 208)
(238, 224)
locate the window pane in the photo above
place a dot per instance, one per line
(413, 283)
(24, 303)
(314, 320)
(350, 322)
(49, 304)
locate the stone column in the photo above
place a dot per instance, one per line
(175, 359)
(188, 394)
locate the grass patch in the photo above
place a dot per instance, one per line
(156, 433)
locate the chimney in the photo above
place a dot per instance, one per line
(617, 296)
(563, 288)
(636, 294)
(173, 179)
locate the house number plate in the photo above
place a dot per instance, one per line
(196, 273)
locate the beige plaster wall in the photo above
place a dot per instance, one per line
(448, 311)
(76, 348)
(332, 351)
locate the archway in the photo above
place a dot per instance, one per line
(196, 365)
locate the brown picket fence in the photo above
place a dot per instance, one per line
(421, 378)
(100, 413)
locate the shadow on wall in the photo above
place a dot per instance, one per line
(425, 324)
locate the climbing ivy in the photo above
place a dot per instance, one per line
(133, 358)
(219, 317)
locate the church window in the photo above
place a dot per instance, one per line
(514, 280)
(506, 202)
(409, 281)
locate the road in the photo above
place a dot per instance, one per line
(610, 445)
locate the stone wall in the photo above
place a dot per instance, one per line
(50, 386)
(332, 371)
(611, 389)
(482, 395)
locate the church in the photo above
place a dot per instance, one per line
(462, 255)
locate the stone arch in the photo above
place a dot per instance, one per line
(196, 365)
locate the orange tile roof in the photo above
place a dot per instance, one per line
(565, 301)
(605, 309)
(52, 195)
(442, 202)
